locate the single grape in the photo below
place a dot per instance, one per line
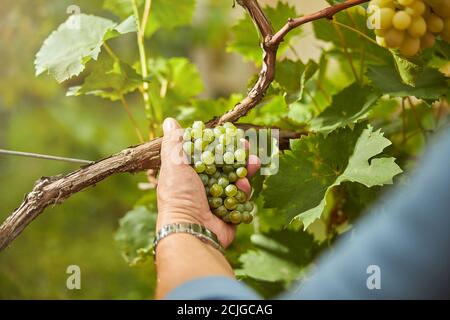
(401, 20)
(216, 202)
(216, 190)
(228, 157)
(221, 211)
(418, 27)
(240, 207)
(241, 172)
(394, 38)
(208, 135)
(435, 23)
(204, 178)
(199, 167)
(197, 133)
(208, 157)
(385, 18)
(198, 125)
(241, 197)
(211, 169)
(231, 190)
(247, 217)
(217, 175)
(212, 181)
(230, 203)
(223, 182)
(410, 46)
(248, 206)
(240, 155)
(232, 176)
(235, 217)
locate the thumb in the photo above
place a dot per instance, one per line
(171, 144)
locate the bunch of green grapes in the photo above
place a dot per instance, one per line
(409, 25)
(220, 158)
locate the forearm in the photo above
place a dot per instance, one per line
(183, 257)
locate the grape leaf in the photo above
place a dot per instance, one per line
(163, 13)
(279, 256)
(135, 234)
(315, 164)
(267, 114)
(246, 36)
(66, 51)
(109, 79)
(430, 84)
(348, 106)
(407, 68)
(175, 82)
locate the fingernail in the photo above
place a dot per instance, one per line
(168, 125)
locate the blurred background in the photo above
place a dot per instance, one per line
(36, 116)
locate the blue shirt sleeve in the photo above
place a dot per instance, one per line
(400, 251)
(212, 288)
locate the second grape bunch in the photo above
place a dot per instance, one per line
(219, 157)
(410, 25)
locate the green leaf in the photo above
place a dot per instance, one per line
(109, 79)
(135, 235)
(280, 256)
(430, 84)
(66, 51)
(317, 163)
(310, 70)
(267, 114)
(348, 106)
(246, 36)
(175, 82)
(408, 69)
(163, 13)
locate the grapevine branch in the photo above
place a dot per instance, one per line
(54, 190)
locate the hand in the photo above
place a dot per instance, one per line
(181, 194)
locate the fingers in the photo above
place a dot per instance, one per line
(253, 165)
(244, 185)
(171, 144)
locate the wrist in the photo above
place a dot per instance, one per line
(165, 218)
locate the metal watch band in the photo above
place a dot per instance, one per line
(194, 229)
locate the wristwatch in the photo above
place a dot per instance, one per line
(194, 229)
